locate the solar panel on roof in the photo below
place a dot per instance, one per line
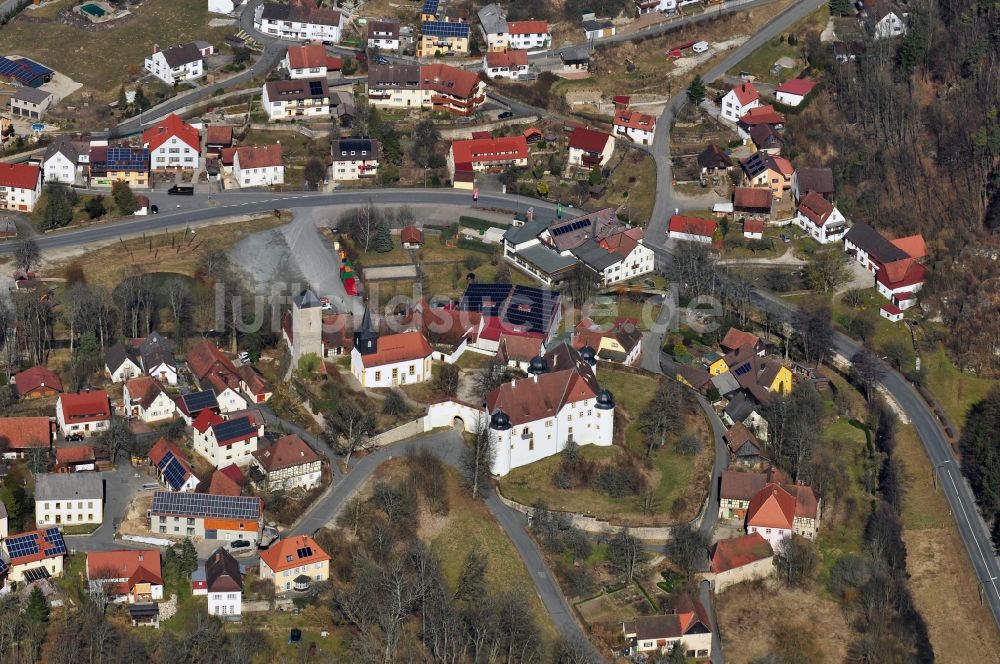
(3, 566)
(174, 474)
(167, 458)
(200, 400)
(57, 545)
(206, 505)
(232, 429)
(430, 7)
(25, 71)
(315, 88)
(742, 369)
(133, 159)
(445, 29)
(25, 545)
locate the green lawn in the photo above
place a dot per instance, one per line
(102, 60)
(956, 390)
(74, 578)
(759, 62)
(610, 307)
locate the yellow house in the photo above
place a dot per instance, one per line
(443, 38)
(718, 367)
(294, 563)
(781, 383)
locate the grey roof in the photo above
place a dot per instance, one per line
(575, 54)
(592, 25)
(725, 383)
(740, 407)
(819, 180)
(222, 572)
(31, 95)
(403, 77)
(351, 149)
(182, 55)
(530, 230)
(156, 350)
(874, 244)
(3, 510)
(69, 486)
(382, 27)
(202, 45)
(117, 355)
(492, 18)
(546, 259)
(306, 300)
(596, 256)
(275, 12)
(71, 149)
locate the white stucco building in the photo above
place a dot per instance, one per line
(739, 101)
(635, 126)
(258, 165)
(34, 555)
(67, 499)
(144, 398)
(389, 360)
(296, 99)
(820, 219)
(173, 144)
(224, 442)
(533, 418)
(179, 63)
(86, 413)
(383, 34)
(299, 20)
(224, 582)
(63, 161)
(589, 148)
(20, 186)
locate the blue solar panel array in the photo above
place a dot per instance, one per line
(206, 505)
(24, 71)
(25, 545)
(445, 29)
(430, 7)
(516, 305)
(742, 369)
(233, 429)
(199, 401)
(173, 471)
(485, 298)
(55, 541)
(315, 88)
(3, 566)
(573, 226)
(130, 159)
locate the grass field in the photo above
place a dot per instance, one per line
(955, 389)
(102, 60)
(935, 552)
(169, 252)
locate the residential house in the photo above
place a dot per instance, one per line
(121, 363)
(20, 186)
(595, 28)
(739, 560)
(172, 467)
(734, 340)
(224, 584)
(687, 624)
(75, 459)
(753, 203)
(30, 103)
(637, 127)
(756, 117)
(510, 64)
(794, 91)
(125, 163)
(501, 34)
(575, 59)
(214, 371)
(383, 34)
(753, 229)
(354, 158)
(533, 418)
(736, 488)
(157, 358)
(899, 275)
(742, 444)
(144, 398)
(777, 511)
(179, 63)
(204, 515)
(37, 382)
(891, 312)
(287, 463)
(886, 18)
(34, 555)
(738, 101)
(411, 237)
(218, 138)
(818, 180)
(510, 309)
(767, 170)
(253, 385)
(437, 86)
(691, 229)
(899, 282)
(621, 343)
(296, 99)
(443, 37)
(820, 219)
(310, 61)
(389, 360)
(221, 483)
(222, 441)
(299, 20)
(589, 148)
(871, 249)
(518, 351)
(86, 413)
(294, 563)
(479, 155)
(173, 144)
(64, 160)
(765, 138)
(63, 499)
(190, 405)
(20, 434)
(713, 159)
(126, 575)
(661, 6)
(742, 407)
(258, 166)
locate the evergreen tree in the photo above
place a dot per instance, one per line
(57, 211)
(840, 7)
(696, 91)
(95, 207)
(383, 240)
(122, 101)
(189, 557)
(140, 102)
(125, 200)
(36, 610)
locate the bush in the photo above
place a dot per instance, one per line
(473, 245)
(688, 444)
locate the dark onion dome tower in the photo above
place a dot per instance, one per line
(366, 337)
(605, 401)
(589, 354)
(499, 421)
(538, 365)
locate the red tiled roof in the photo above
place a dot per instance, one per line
(542, 396)
(519, 349)
(35, 377)
(815, 208)
(307, 57)
(136, 566)
(898, 274)
(762, 115)
(448, 80)
(75, 454)
(204, 358)
(527, 27)
(160, 449)
(771, 507)
(286, 452)
(485, 150)
(746, 93)
(411, 234)
(226, 156)
(143, 390)
(334, 63)
(913, 245)
(285, 553)
(510, 59)
(752, 197)
(892, 308)
(401, 347)
(732, 553)
(259, 156)
(86, 407)
(233, 472)
(633, 119)
(797, 86)
(255, 382)
(220, 484)
(753, 225)
(692, 225)
(219, 135)
(737, 338)
(737, 485)
(19, 176)
(171, 126)
(205, 419)
(40, 547)
(589, 140)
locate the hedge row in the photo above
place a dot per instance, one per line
(477, 224)
(474, 245)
